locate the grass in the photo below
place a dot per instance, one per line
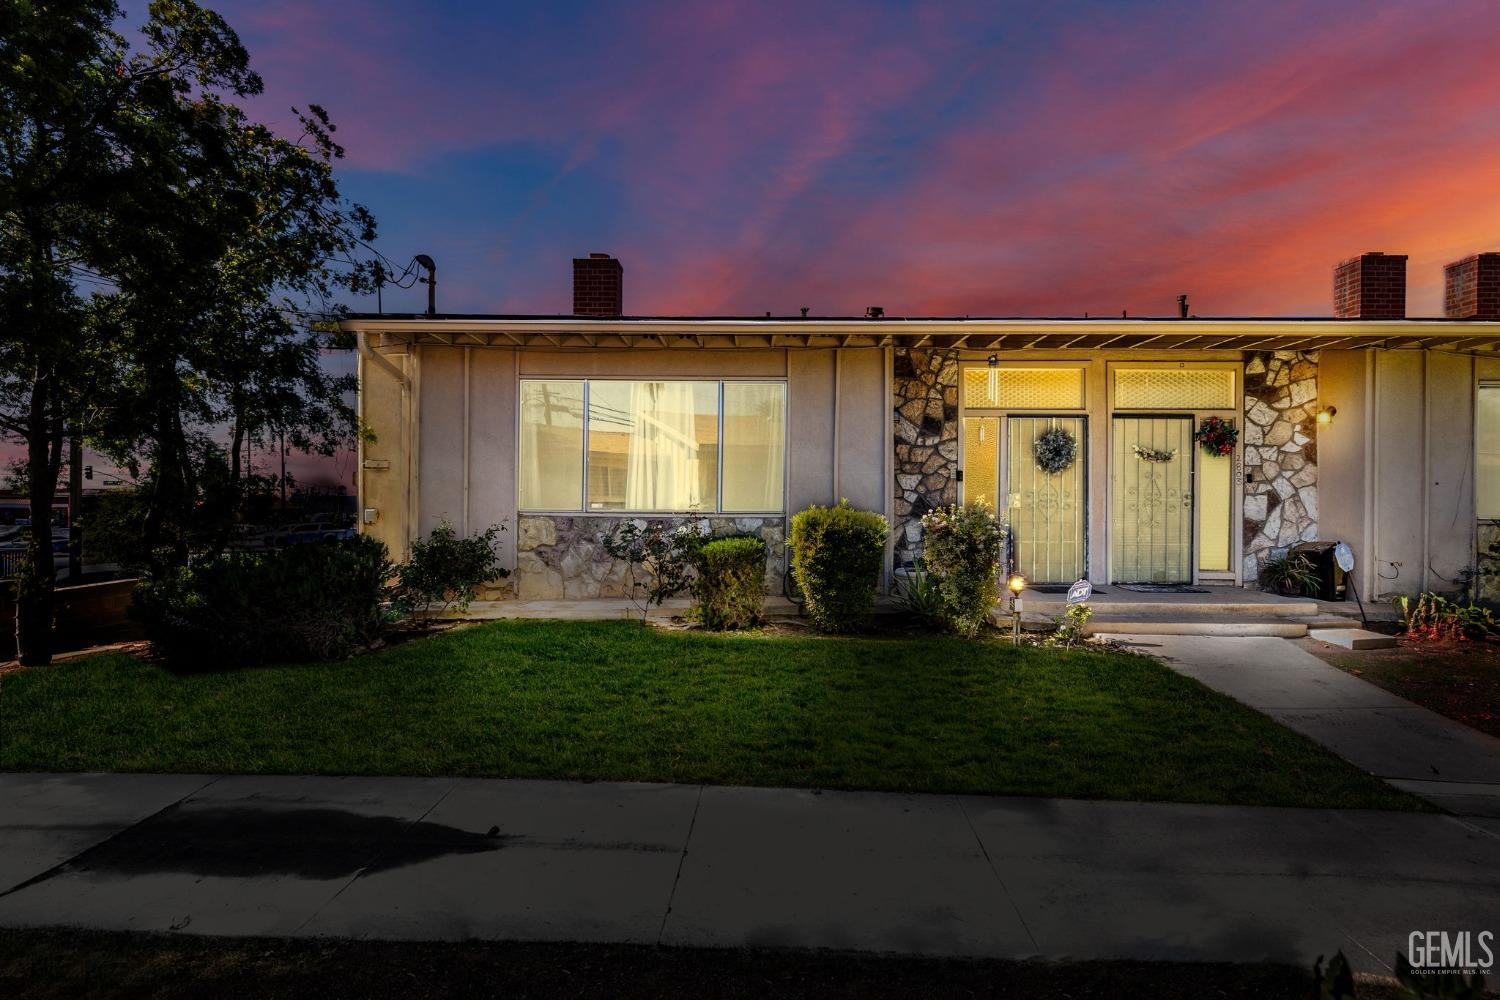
(616, 700)
(77, 965)
(1457, 680)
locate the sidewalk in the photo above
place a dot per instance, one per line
(1415, 749)
(455, 859)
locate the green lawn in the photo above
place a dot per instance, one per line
(617, 700)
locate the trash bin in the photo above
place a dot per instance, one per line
(1330, 577)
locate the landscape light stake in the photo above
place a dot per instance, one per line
(1016, 584)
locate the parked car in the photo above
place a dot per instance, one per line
(18, 536)
(301, 534)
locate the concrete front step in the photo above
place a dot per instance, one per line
(1179, 609)
(1203, 625)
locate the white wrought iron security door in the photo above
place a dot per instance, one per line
(1151, 526)
(1046, 510)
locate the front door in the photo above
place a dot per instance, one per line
(1152, 506)
(1044, 509)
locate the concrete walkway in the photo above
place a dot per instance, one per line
(1445, 762)
(445, 859)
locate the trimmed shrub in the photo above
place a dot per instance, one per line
(837, 554)
(320, 601)
(962, 547)
(446, 570)
(730, 587)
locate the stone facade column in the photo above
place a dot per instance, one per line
(925, 391)
(1281, 455)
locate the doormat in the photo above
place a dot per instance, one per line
(1057, 588)
(1161, 588)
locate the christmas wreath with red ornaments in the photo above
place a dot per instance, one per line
(1217, 436)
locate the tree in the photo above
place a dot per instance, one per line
(156, 248)
(247, 328)
(90, 135)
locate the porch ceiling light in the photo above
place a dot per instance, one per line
(1326, 414)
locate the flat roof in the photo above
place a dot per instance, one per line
(966, 332)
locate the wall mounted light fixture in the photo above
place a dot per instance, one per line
(1326, 415)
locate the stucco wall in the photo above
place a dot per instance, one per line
(837, 433)
(1342, 446)
(1397, 476)
(382, 478)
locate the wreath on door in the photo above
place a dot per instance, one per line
(1217, 436)
(1055, 449)
(1158, 455)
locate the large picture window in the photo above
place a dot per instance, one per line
(1487, 453)
(658, 446)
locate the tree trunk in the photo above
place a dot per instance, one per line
(34, 586)
(232, 500)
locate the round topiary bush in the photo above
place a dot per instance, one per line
(731, 582)
(837, 556)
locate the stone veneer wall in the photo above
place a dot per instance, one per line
(1487, 586)
(925, 389)
(563, 556)
(1281, 454)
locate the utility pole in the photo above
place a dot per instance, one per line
(75, 504)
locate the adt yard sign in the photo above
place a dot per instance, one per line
(1344, 556)
(1080, 592)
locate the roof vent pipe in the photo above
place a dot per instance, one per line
(874, 312)
(1182, 307)
(430, 281)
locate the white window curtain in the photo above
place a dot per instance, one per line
(754, 446)
(661, 471)
(652, 446)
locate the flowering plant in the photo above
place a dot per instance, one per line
(1217, 436)
(962, 548)
(1055, 449)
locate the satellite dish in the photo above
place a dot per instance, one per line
(1080, 592)
(1344, 556)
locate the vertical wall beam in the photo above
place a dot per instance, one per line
(468, 360)
(838, 418)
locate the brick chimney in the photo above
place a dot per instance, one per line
(1370, 286)
(1471, 287)
(598, 286)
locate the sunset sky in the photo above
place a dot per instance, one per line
(933, 158)
(1048, 158)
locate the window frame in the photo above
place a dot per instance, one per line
(582, 510)
(1480, 386)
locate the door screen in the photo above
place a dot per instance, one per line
(1046, 510)
(1152, 508)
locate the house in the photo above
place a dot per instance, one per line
(1370, 427)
